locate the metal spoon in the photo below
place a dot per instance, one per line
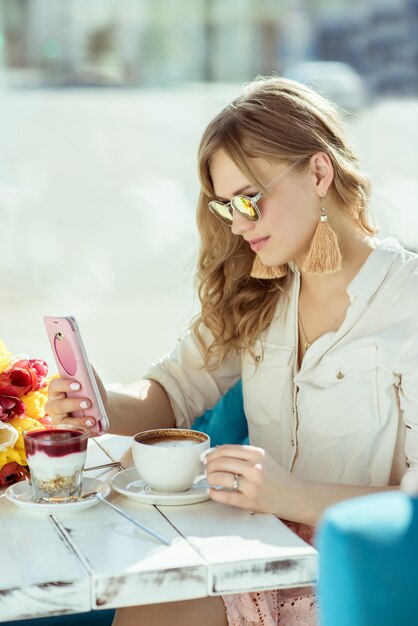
(103, 465)
(98, 496)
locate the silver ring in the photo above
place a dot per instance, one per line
(235, 484)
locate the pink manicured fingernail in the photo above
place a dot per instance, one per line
(84, 404)
(89, 423)
(75, 386)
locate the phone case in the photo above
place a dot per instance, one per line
(72, 363)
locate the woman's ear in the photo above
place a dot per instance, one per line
(322, 172)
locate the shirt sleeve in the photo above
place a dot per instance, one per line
(192, 389)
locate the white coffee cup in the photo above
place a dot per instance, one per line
(168, 459)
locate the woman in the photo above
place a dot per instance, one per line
(318, 317)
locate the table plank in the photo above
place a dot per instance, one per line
(127, 566)
(40, 574)
(246, 551)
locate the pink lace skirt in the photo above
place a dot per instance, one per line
(280, 607)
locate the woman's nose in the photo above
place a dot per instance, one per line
(240, 224)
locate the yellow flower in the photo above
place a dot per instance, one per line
(4, 356)
(12, 455)
(35, 402)
(3, 349)
(18, 452)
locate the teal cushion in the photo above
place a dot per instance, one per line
(368, 573)
(226, 421)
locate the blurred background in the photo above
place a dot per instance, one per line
(102, 105)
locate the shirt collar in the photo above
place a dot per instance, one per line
(373, 271)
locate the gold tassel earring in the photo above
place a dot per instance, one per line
(324, 256)
(259, 270)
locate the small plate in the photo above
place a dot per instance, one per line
(129, 484)
(21, 494)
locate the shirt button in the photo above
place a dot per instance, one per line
(258, 358)
(340, 375)
(293, 443)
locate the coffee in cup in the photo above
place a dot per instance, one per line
(168, 459)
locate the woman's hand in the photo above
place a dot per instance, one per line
(59, 406)
(263, 485)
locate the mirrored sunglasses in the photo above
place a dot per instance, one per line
(244, 205)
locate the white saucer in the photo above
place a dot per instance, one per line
(21, 494)
(129, 484)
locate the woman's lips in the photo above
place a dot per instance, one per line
(257, 244)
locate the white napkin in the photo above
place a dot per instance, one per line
(8, 436)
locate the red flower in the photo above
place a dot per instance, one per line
(24, 376)
(41, 370)
(10, 407)
(12, 473)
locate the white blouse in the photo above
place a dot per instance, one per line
(350, 414)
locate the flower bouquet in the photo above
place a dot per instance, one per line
(23, 395)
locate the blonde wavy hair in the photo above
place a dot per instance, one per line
(281, 121)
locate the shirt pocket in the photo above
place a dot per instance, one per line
(344, 396)
(266, 382)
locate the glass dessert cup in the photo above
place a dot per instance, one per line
(56, 457)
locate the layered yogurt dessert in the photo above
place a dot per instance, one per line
(56, 458)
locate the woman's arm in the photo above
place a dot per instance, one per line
(266, 487)
(142, 405)
(176, 390)
(313, 498)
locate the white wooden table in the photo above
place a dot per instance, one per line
(95, 559)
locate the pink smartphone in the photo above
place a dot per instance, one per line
(72, 363)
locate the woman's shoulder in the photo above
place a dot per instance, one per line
(388, 280)
(392, 245)
(406, 266)
(406, 257)
(398, 294)
(404, 262)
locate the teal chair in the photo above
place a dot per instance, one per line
(225, 423)
(368, 567)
